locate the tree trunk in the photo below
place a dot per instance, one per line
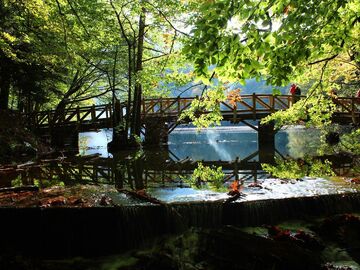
(136, 123)
(130, 71)
(4, 92)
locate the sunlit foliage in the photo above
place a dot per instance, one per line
(299, 168)
(314, 43)
(205, 111)
(205, 176)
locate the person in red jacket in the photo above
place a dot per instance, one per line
(295, 91)
(292, 90)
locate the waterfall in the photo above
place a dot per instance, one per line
(59, 232)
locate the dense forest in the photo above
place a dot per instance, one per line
(64, 53)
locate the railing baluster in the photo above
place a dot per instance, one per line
(254, 105)
(78, 114)
(93, 114)
(49, 117)
(178, 105)
(272, 103)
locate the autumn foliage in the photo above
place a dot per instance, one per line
(233, 97)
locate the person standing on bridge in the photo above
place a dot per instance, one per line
(295, 91)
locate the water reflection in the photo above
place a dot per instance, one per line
(166, 174)
(95, 142)
(221, 143)
(165, 179)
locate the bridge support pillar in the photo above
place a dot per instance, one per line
(65, 138)
(266, 142)
(156, 132)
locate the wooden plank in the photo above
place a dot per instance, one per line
(70, 116)
(169, 104)
(249, 125)
(343, 104)
(242, 102)
(152, 105)
(250, 156)
(280, 102)
(84, 116)
(227, 105)
(263, 103)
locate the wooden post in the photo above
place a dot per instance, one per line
(106, 111)
(63, 116)
(143, 106)
(95, 174)
(178, 105)
(49, 117)
(156, 133)
(93, 114)
(78, 114)
(234, 113)
(266, 142)
(291, 101)
(146, 177)
(111, 111)
(254, 105)
(272, 103)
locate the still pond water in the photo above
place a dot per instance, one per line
(165, 174)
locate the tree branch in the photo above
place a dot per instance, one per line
(170, 52)
(78, 17)
(167, 20)
(154, 50)
(188, 88)
(123, 32)
(325, 59)
(154, 57)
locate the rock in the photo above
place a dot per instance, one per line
(24, 149)
(231, 248)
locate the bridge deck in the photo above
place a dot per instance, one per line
(250, 107)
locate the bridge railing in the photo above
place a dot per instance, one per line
(345, 104)
(79, 115)
(165, 105)
(255, 103)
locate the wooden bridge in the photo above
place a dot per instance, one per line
(164, 114)
(250, 107)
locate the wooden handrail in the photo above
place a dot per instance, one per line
(251, 104)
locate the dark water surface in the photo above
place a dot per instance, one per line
(165, 174)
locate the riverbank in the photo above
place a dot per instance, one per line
(16, 142)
